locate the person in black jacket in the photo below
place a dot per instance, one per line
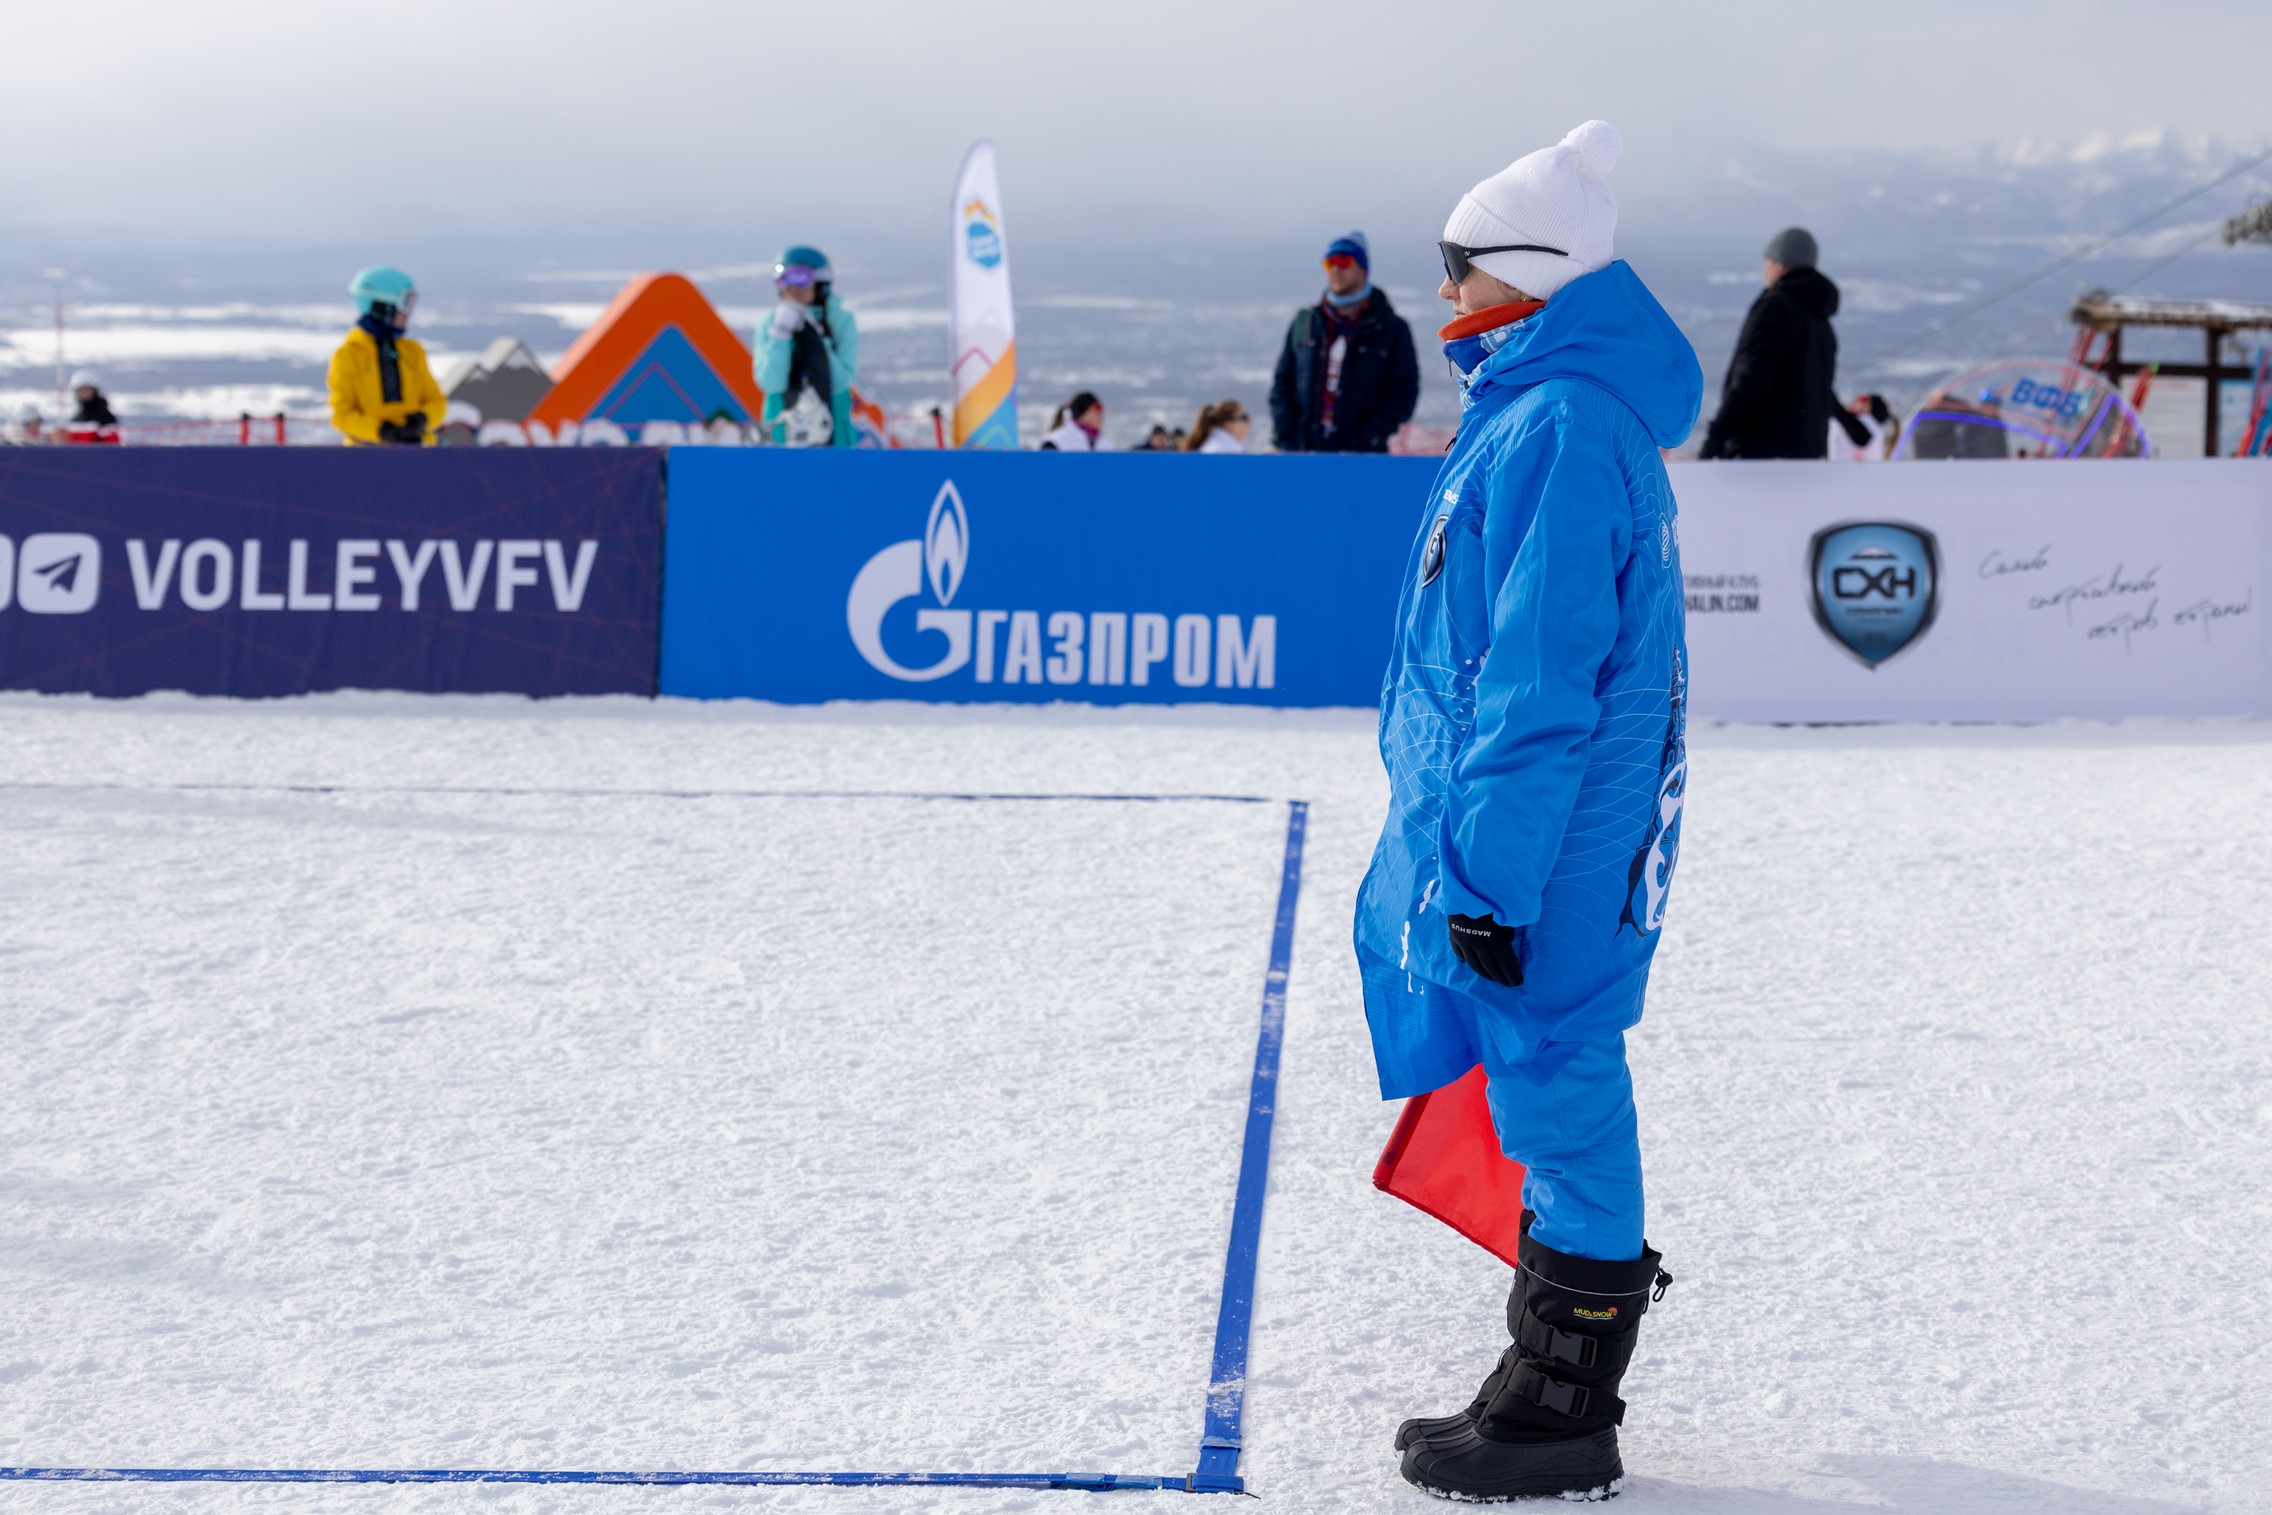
(1347, 377)
(1776, 401)
(94, 405)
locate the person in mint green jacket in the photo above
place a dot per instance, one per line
(810, 347)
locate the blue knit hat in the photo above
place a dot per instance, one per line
(1352, 245)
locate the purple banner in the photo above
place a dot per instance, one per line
(273, 571)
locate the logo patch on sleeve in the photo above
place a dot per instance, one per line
(1432, 559)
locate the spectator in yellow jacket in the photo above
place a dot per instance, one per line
(382, 392)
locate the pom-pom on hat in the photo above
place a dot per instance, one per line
(1556, 197)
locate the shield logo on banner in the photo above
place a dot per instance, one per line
(1876, 586)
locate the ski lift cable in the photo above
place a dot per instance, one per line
(2159, 264)
(2007, 291)
(2132, 282)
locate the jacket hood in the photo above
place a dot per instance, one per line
(1607, 329)
(1813, 292)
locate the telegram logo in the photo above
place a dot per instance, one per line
(59, 573)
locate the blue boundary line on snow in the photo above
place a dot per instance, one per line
(1222, 1438)
(1097, 1482)
(486, 791)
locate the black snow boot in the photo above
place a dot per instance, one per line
(1546, 1421)
(1428, 1427)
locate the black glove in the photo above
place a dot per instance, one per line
(389, 432)
(1487, 947)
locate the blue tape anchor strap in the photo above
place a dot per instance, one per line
(1220, 1443)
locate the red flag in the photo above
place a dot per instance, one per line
(1444, 1158)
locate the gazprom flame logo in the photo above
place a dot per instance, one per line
(981, 234)
(898, 573)
(946, 543)
(1041, 652)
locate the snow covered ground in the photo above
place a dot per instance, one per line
(346, 1121)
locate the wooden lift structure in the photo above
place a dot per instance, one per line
(2099, 313)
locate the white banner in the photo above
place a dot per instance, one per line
(981, 330)
(1977, 591)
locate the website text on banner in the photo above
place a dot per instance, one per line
(1125, 579)
(280, 572)
(1977, 591)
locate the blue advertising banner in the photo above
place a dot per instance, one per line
(246, 571)
(965, 576)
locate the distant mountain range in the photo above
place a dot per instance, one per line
(1161, 316)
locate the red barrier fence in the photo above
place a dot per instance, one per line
(239, 431)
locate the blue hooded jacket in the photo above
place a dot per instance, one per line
(1532, 712)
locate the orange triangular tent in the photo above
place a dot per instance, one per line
(659, 329)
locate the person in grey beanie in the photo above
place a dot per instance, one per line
(1776, 401)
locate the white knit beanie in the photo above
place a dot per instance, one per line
(1557, 197)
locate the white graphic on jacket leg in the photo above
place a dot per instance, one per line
(1656, 876)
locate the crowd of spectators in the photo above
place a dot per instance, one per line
(91, 420)
(1347, 376)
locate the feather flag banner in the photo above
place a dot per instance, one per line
(981, 331)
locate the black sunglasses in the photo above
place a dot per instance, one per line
(1458, 260)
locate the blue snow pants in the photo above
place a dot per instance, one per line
(1567, 1117)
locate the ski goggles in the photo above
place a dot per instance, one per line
(1340, 260)
(1458, 260)
(795, 275)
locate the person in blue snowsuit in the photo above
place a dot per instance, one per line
(1532, 726)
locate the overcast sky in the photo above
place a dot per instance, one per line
(309, 119)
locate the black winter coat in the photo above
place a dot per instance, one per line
(1776, 401)
(1380, 382)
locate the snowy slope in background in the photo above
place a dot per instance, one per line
(1952, 1091)
(1161, 316)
